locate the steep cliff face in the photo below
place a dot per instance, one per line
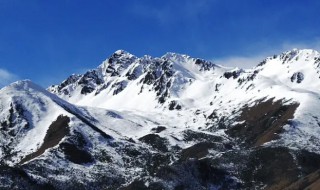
(173, 122)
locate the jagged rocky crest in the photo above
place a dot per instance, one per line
(173, 122)
(113, 75)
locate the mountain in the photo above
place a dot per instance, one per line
(173, 122)
(124, 76)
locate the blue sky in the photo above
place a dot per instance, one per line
(46, 40)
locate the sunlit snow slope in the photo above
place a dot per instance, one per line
(173, 122)
(178, 82)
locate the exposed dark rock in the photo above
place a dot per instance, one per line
(253, 76)
(119, 61)
(118, 87)
(196, 174)
(149, 78)
(111, 70)
(155, 162)
(308, 161)
(155, 141)
(87, 90)
(174, 105)
(90, 77)
(288, 56)
(262, 63)
(75, 154)
(132, 152)
(70, 80)
(17, 178)
(233, 74)
(205, 65)
(158, 129)
(134, 73)
(297, 77)
(104, 157)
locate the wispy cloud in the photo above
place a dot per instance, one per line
(241, 62)
(314, 44)
(247, 62)
(6, 77)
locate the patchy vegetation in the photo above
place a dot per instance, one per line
(262, 122)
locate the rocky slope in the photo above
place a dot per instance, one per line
(173, 122)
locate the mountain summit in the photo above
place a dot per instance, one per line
(170, 122)
(144, 79)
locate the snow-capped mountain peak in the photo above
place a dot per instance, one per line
(116, 63)
(172, 77)
(170, 122)
(161, 78)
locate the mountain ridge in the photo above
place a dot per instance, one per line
(173, 122)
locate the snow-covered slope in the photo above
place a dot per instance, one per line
(180, 82)
(173, 122)
(151, 81)
(26, 114)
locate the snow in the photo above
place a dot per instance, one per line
(209, 91)
(39, 109)
(135, 111)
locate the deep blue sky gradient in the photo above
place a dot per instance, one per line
(46, 40)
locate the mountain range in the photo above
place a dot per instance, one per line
(172, 122)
